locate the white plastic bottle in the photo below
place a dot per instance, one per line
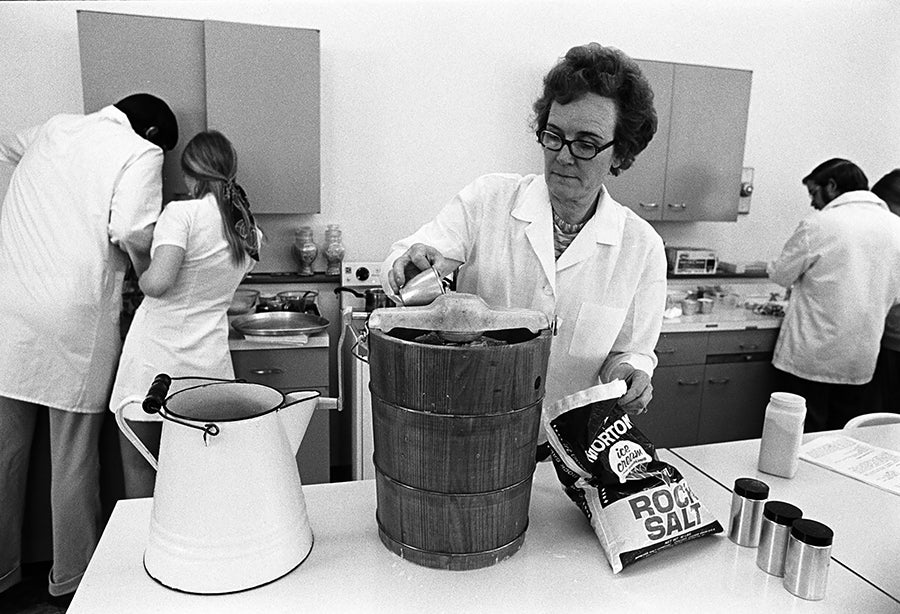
(779, 450)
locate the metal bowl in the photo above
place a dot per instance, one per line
(279, 323)
(243, 301)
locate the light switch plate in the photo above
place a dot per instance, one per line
(746, 180)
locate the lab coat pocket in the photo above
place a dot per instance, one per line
(596, 330)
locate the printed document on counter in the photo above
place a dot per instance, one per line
(870, 464)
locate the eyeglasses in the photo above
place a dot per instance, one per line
(583, 150)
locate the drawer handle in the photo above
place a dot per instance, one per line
(272, 371)
(690, 383)
(665, 351)
(720, 381)
(681, 206)
(749, 346)
(648, 205)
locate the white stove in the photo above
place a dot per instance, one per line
(356, 399)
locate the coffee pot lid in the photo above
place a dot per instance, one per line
(458, 313)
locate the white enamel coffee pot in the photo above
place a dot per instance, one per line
(228, 507)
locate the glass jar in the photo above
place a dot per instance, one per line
(305, 250)
(334, 249)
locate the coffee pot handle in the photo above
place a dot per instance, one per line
(129, 434)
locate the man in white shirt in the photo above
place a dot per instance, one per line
(82, 202)
(841, 267)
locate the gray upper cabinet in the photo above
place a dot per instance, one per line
(259, 85)
(262, 89)
(128, 54)
(691, 170)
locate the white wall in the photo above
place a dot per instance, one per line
(419, 98)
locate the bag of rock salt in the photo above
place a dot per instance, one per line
(636, 504)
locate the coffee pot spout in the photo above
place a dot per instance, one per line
(296, 413)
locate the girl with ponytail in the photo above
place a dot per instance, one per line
(202, 249)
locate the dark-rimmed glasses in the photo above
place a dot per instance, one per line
(583, 150)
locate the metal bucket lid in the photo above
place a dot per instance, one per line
(457, 313)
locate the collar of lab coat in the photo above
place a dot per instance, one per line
(111, 112)
(604, 227)
(856, 196)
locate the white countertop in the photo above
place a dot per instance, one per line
(560, 568)
(722, 318)
(317, 340)
(865, 519)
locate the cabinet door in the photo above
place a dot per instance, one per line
(681, 349)
(734, 400)
(641, 187)
(706, 143)
(262, 92)
(129, 54)
(673, 416)
(294, 369)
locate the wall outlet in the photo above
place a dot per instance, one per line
(746, 190)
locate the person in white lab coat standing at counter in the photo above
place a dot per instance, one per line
(558, 242)
(202, 248)
(841, 265)
(82, 202)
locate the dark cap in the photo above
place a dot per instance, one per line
(751, 488)
(812, 532)
(780, 512)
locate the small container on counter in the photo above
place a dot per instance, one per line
(779, 448)
(745, 520)
(706, 305)
(807, 559)
(690, 306)
(778, 517)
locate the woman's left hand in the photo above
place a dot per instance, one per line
(639, 392)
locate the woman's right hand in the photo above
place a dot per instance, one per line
(419, 257)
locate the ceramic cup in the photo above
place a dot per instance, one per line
(706, 305)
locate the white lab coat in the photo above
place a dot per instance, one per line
(184, 332)
(607, 290)
(843, 267)
(86, 190)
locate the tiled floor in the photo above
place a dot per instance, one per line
(30, 595)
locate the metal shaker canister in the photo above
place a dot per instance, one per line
(807, 560)
(745, 521)
(778, 517)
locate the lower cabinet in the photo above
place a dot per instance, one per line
(673, 416)
(734, 400)
(292, 369)
(709, 387)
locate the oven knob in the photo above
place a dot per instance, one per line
(362, 273)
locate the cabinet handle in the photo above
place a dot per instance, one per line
(272, 371)
(749, 346)
(690, 383)
(666, 350)
(677, 206)
(648, 205)
(723, 380)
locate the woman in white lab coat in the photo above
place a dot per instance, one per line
(558, 242)
(202, 248)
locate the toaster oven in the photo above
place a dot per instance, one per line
(691, 261)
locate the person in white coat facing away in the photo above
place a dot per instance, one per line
(559, 242)
(82, 202)
(841, 266)
(202, 249)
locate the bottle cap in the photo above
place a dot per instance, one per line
(812, 532)
(751, 488)
(780, 512)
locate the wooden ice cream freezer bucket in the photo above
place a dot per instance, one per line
(456, 390)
